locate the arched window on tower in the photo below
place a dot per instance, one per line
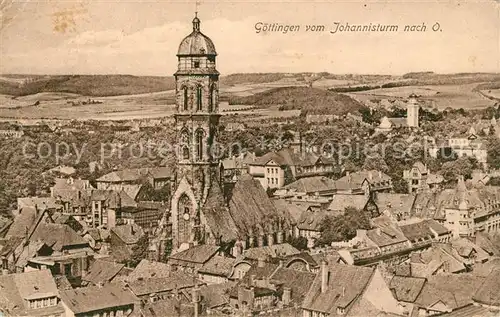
(199, 144)
(185, 98)
(185, 152)
(210, 99)
(199, 97)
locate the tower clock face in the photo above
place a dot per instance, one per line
(186, 216)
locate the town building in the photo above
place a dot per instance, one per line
(468, 145)
(420, 178)
(349, 291)
(30, 294)
(411, 120)
(106, 300)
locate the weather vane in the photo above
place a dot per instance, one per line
(197, 3)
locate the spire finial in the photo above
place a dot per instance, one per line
(196, 21)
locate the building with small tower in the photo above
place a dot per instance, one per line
(411, 120)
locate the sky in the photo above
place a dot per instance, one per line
(141, 37)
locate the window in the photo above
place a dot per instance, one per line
(45, 302)
(185, 98)
(185, 153)
(199, 144)
(199, 95)
(196, 64)
(211, 101)
(53, 301)
(32, 304)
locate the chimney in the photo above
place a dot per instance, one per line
(260, 262)
(379, 174)
(287, 296)
(324, 276)
(377, 230)
(279, 237)
(196, 300)
(281, 263)
(370, 175)
(270, 239)
(260, 240)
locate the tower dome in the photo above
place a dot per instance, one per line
(196, 43)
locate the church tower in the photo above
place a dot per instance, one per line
(196, 125)
(412, 110)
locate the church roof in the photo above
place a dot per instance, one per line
(196, 43)
(251, 208)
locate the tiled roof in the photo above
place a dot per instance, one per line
(197, 254)
(177, 279)
(40, 202)
(417, 231)
(130, 234)
(94, 298)
(394, 203)
(406, 288)
(23, 222)
(218, 265)
(58, 236)
(340, 202)
(312, 220)
(437, 227)
(462, 244)
(484, 269)
(251, 207)
(449, 289)
(346, 283)
(488, 293)
(15, 289)
(102, 271)
(275, 250)
(298, 281)
(168, 307)
(386, 236)
(216, 295)
(294, 209)
(444, 253)
(354, 180)
(149, 269)
(312, 184)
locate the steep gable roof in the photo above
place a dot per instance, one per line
(345, 284)
(250, 206)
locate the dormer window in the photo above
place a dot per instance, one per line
(340, 311)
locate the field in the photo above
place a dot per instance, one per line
(440, 96)
(115, 97)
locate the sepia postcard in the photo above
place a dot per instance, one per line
(249, 158)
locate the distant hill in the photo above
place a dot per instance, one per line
(88, 85)
(309, 100)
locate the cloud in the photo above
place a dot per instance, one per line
(93, 38)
